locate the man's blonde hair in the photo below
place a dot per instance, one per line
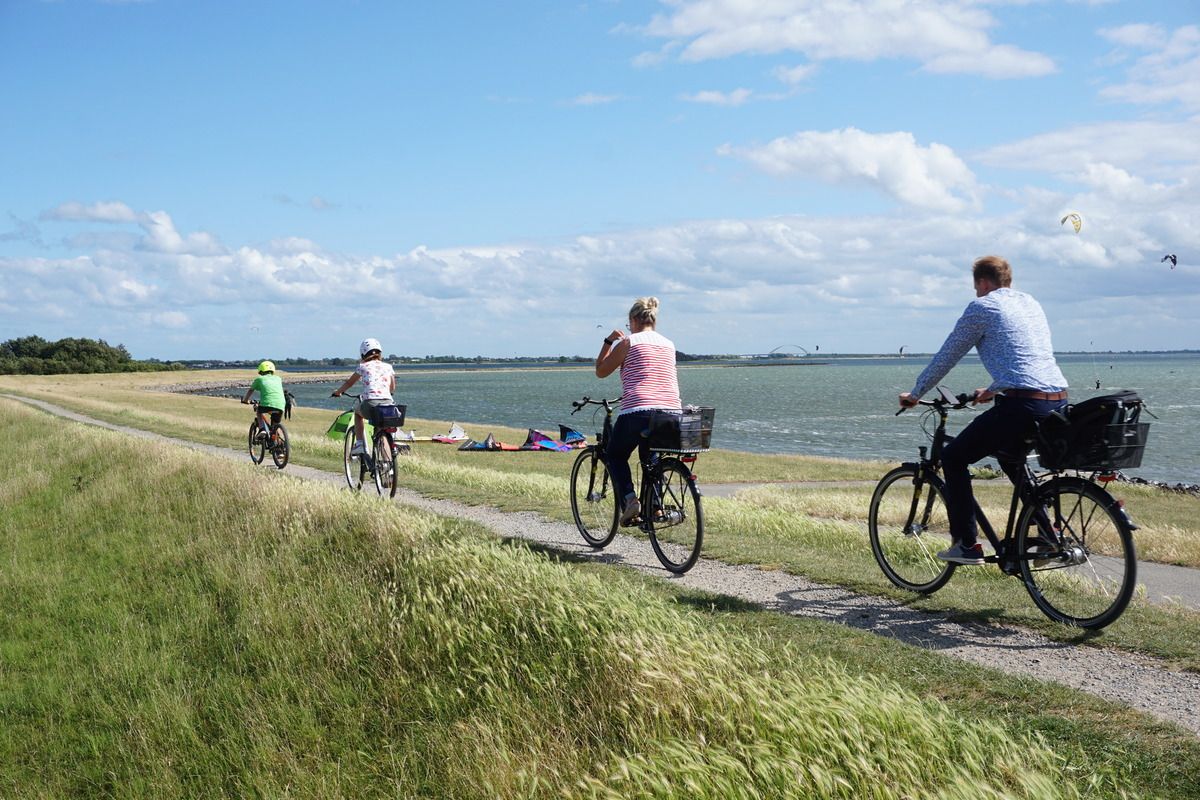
(645, 310)
(994, 269)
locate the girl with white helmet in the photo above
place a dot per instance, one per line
(379, 381)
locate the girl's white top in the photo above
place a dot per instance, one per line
(376, 380)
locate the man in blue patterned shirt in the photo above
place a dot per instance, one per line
(1010, 331)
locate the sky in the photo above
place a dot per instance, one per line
(271, 179)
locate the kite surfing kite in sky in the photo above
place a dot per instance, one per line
(1170, 257)
(1076, 221)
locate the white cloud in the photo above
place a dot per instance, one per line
(735, 98)
(943, 36)
(1158, 149)
(930, 177)
(175, 320)
(96, 212)
(160, 235)
(794, 76)
(1136, 35)
(1169, 73)
(594, 99)
(724, 282)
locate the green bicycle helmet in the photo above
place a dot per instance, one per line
(265, 367)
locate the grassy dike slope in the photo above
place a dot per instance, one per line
(816, 532)
(177, 626)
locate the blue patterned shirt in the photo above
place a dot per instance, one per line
(1010, 331)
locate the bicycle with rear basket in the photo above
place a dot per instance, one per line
(672, 514)
(1066, 537)
(264, 438)
(379, 463)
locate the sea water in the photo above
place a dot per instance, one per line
(842, 407)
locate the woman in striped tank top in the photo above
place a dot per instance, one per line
(649, 383)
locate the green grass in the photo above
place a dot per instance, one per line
(816, 532)
(178, 626)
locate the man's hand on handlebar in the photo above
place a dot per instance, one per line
(982, 396)
(907, 400)
(335, 393)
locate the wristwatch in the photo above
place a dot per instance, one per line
(608, 341)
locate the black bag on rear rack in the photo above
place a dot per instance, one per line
(1102, 433)
(687, 431)
(388, 416)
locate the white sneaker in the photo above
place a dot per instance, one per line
(632, 509)
(359, 449)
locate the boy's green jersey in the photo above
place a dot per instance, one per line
(270, 391)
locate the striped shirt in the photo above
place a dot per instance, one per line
(648, 378)
(1010, 331)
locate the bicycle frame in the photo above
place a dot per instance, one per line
(1025, 491)
(268, 428)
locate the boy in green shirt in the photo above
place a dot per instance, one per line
(271, 398)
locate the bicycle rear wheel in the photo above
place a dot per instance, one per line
(593, 499)
(354, 467)
(1086, 569)
(385, 465)
(908, 526)
(256, 445)
(281, 451)
(675, 518)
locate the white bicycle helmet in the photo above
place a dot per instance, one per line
(368, 345)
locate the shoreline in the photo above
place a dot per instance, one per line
(1178, 487)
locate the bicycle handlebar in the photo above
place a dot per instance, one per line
(576, 405)
(945, 401)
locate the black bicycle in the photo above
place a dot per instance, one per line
(1066, 537)
(264, 438)
(380, 462)
(672, 515)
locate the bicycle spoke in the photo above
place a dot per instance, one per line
(675, 519)
(593, 501)
(1089, 580)
(905, 544)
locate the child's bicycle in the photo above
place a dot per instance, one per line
(1066, 538)
(264, 438)
(379, 463)
(672, 515)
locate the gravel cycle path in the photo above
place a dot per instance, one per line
(1138, 681)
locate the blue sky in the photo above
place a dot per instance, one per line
(273, 179)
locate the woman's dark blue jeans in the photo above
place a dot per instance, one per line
(627, 435)
(1001, 429)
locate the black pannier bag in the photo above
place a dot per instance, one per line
(388, 416)
(688, 431)
(1102, 433)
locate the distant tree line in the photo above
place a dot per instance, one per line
(33, 355)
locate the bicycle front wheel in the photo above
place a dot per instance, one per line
(675, 518)
(593, 499)
(281, 450)
(1085, 568)
(255, 444)
(354, 467)
(385, 465)
(908, 525)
